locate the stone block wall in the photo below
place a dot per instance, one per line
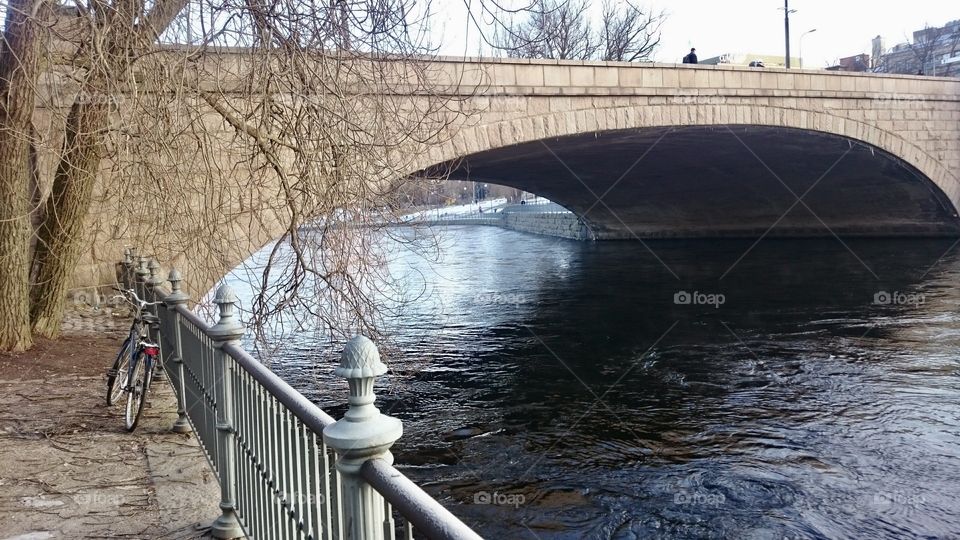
(914, 118)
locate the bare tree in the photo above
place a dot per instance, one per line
(552, 29)
(123, 30)
(924, 47)
(562, 29)
(932, 43)
(242, 116)
(311, 130)
(920, 57)
(628, 33)
(20, 54)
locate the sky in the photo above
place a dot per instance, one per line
(843, 27)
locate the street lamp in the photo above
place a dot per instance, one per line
(786, 29)
(801, 44)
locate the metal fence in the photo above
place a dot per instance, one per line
(286, 469)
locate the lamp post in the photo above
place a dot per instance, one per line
(786, 29)
(812, 30)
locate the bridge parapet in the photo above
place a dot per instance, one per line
(495, 76)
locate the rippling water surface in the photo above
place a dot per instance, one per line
(555, 389)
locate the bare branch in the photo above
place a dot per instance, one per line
(552, 29)
(628, 33)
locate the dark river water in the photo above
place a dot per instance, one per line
(708, 389)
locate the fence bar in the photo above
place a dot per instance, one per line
(422, 510)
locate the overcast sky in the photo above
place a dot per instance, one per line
(843, 27)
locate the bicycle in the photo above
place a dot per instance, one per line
(132, 370)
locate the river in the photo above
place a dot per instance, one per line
(673, 389)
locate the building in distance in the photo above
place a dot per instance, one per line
(857, 62)
(934, 51)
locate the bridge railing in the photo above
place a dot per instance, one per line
(286, 469)
(488, 215)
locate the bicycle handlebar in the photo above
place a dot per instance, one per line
(140, 303)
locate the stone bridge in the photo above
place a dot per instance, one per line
(665, 150)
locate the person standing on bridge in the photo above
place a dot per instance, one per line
(690, 58)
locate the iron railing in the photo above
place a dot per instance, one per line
(286, 469)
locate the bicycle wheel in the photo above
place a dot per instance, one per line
(137, 396)
(117, 376)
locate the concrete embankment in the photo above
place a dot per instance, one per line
(564, 225)
(526, 219)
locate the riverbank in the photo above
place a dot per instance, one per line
(544, 220)
(70, 469)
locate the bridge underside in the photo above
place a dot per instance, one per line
(721, 181)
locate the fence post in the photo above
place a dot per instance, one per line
(132, 270)
(150, 294)
(142, 273)
(362, 434)
(227, 330)
(154, 280)
(172, 300)
(127, 266)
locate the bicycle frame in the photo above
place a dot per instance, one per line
(140, 348)
(139, 337)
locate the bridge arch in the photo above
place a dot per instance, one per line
(469, 149)
(474, 141)
(487, 136)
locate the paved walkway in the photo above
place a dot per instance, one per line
(68, 468)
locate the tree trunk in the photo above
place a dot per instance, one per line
(19, 71)
(61, 232)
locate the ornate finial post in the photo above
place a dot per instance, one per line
(141, 274)
(153, 280)
(172, 300)
(362, 434)
(142, 266)
(154, 268)
(176, 296)
(126, 267)
(228, 327)
(227, 330)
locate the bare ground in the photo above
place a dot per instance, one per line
(69, 469)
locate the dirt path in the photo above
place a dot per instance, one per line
(69, 469)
